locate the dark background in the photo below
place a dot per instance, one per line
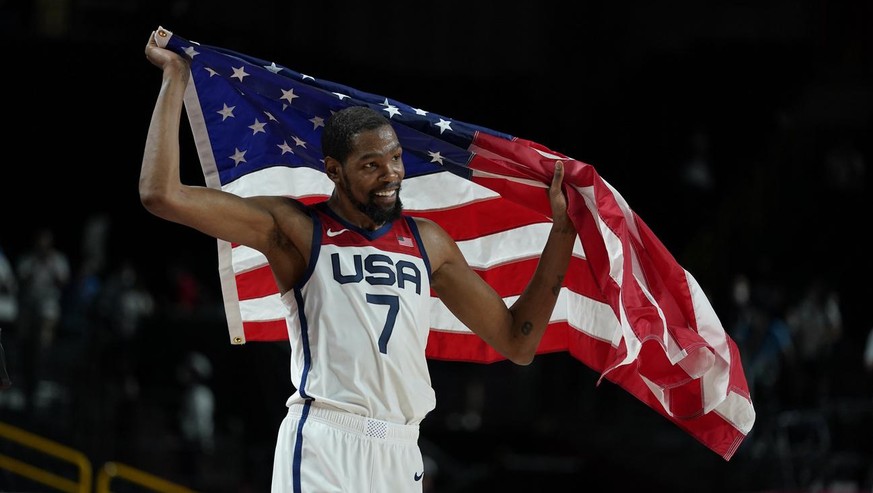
(777, 87)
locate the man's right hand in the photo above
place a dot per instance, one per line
(162, 57)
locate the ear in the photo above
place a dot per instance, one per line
(333, 168)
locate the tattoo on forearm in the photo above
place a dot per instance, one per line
(556, 289)
(526, 328)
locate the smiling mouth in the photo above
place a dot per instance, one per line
(386, 193)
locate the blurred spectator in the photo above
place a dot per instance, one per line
(95, 235)
(185, 290)
(197, 411)
(80, 300)
(845, 167)
(764, 340)
(43, 273)
(868, 352)
(126, 300)
(125, 303)
(697, 170)
(816, 323)
(8, 292)
(5, 381)
(8, 310)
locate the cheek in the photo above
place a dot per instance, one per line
(357, 187)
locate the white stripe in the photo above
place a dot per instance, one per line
(500, 248)
(453, 191)
(281, 180)
(246, 259)
(589, 316)
(738, 411)
(262, 309)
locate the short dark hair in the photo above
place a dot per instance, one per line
(342, 126)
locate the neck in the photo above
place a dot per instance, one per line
(351, 214)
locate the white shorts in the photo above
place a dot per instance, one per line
(323, 450)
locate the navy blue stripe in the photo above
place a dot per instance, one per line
(298, 296)
(413, 226)
(298, 447)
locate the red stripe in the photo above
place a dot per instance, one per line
(469, 347)
(481, 218)
(256, 283)
(269, 330)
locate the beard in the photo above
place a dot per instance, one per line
(377, 214)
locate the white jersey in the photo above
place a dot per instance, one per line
(359, 320)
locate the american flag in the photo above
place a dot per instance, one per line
(627, 309)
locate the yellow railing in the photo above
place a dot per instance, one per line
(107, 473)
(82, 485)
(117, 470)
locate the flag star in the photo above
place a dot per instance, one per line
(257, 127)
(226, 112)
(289, 95)
(211, 71)
(420, 112)
(435, 157)
(299, 142)
(270, 116)
(238, 156)
(285, 147)
(317, 121)
(392, 110)
(191, 52)
(272, 67)
(341, 96)
(304, 77)
(444, 125)
(239, 73)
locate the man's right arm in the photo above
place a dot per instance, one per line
(274, 226)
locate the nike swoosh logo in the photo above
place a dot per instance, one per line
(334, 233)
(418, 476)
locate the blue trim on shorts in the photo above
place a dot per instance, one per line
(298, 447)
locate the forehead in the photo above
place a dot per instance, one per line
(378, 140)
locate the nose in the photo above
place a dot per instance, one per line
(393, 172)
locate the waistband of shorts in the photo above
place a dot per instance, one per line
(354, 423)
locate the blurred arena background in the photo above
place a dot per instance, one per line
(739, 131)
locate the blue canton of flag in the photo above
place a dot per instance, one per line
(271, 115)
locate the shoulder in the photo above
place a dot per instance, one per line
(427, 227)
(439, 244)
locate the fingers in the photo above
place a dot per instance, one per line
(558, 177)
(150, 43)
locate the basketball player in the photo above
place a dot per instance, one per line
(362, 385)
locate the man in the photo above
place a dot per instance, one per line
(356, 276)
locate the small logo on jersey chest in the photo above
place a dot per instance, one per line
(404, 241)
(331, 233)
